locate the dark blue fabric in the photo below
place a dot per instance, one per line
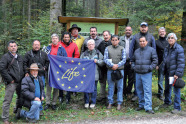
(61, 51)
(71, 74)
(176, 61)
(37, 88)
(144, 60)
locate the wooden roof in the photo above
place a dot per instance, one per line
(121, 22)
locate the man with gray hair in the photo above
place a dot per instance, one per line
(161, 43)
(54, 49)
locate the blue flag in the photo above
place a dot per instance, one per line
(71, 74)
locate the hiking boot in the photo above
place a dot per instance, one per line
(60, 99)
(161, 98)
(175, 111)
(47, 107)
(165, 105)
(139, 109)
(31, 120)
(150, 112)
(18, 116)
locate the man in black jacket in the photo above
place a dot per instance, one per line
(32, 91)
(36, 56)
(11, 69)
(143, 62)
(161, 43)
(106, 42)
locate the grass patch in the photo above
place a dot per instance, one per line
(75, 111)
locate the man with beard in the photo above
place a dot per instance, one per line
(135, 44)
(125, 41)
(103, 77)
(75, 37)
(93, 35)
(161, 43)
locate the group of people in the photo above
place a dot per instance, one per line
(122, 61)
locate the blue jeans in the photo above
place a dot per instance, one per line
(168, 91)
(34, 111)
(144, 90)
(111, 87)
(93, 95)
(160, 82)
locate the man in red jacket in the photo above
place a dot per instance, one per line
(72, 51)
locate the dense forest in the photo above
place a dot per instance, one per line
(26, 20)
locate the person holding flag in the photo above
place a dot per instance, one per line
(93, 54)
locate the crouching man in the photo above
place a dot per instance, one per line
(32, 92)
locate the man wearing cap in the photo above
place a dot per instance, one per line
(75, 37)
(11, 69)
(135, 45)
(32, 91)
(93, 35)
(125, 41)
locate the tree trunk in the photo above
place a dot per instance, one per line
(96, 8)
(55, 11)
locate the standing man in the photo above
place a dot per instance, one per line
(75, 37)
(161, 43)
(93, 35)
(11, 69)
(115, 59)
(125, 41)
(72, 51)
(143, 62)
(135, 45)
(32, 90)
(36, 56)
(106, 42)
(54, 49)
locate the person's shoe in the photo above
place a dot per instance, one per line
(119, 107)
(60, 99)
(175, 111)
(6, 122)
(139, 109)
(161, 98)
(150, 112)
(18, 113)
(164, 105)
(31, 120)
(109, 106)
(135, 98)
(92, 106)
(86, 105)
(41, 113)
(54, 107)
(67, 101)
(47, 107)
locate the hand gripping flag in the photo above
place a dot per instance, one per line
(71, 74)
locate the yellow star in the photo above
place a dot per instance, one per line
(63, 85)
(84, 75)
(82, 82)
(76, 86)
(57, 72)
(69, 87)
(65, 61)
(79, 63)
(72, 61)
(58, 79)
(83, 68)
(60, 66)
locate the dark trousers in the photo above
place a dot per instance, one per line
(128, 74)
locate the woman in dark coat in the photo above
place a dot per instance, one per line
(173, 65)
